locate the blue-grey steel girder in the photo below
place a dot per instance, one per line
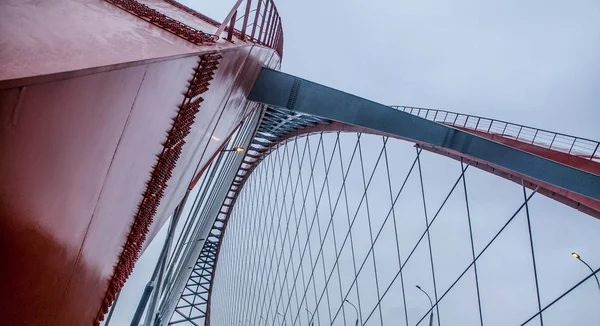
(281, 90)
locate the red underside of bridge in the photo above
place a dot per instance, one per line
(91, 126)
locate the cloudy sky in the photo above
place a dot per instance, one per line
(531, 62)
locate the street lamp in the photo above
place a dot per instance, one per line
(235, 149)
(430, 302)
(312, 322)
(578, 257)
(346, 300)
(282, 317)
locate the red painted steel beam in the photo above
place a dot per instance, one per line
(584, 164)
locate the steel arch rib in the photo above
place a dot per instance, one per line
(286, 91)
(292, 111)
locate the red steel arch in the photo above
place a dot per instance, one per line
(290, 120)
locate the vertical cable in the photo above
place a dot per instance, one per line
(537, 286)
(350, 226)
(271, 251)
(335, 245)
(437, 301)
(355, 280)
(296, 222)
(389, 178)
(266, 193)
(254, 198)
(285, 189)
(260, 179)
(427, 225)
(311, 276)
(285, 237)
(362, 168)
(302, 213)
(270, 167)
(414, 248)
(464, 182)
(330, 222)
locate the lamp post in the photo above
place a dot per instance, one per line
(430, 302)
(346, 300)
(282, 317)
(235, 149)
(578, 257)
(310, 317)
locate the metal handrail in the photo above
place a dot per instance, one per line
(260, 22)
(576, 146)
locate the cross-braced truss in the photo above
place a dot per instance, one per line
(275, 123)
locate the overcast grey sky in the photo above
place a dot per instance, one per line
(531, 62)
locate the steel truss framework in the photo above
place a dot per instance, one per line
(294, 253)
(193, 303)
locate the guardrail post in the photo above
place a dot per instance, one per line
(535, 135)
(552, 142)
(276, 36)
(276, 30)
(246, 14)
(573, 144)
(227, 20)
(256, 14)
(279, 42)
(520, 129)
(262, 24)
(268, 23)
(231, 26)
(272, 29)
(594, 153)
(477, 125)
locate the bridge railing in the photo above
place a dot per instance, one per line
(256, 21)
(581, 147)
